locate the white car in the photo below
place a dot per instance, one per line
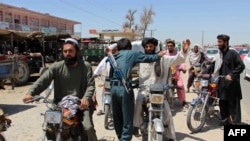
(211, 52)
(247, 66)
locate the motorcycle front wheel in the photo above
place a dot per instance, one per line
(195, 119)
(156, 136)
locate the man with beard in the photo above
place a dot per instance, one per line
(196, 56)
(176, 72)
(228, 64)
(71, 76)
(157, 73)
(123, 100)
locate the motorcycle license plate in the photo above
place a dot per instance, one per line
(157, 98)
(53, 117)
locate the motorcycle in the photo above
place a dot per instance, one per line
(60, 123)
(172, 81)
(107, 102)
(203, 107)
(198, 69)
(4, 124)
(153, 126)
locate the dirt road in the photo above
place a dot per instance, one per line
(27, 121)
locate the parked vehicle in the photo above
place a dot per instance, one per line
(203, 106)
(246, 61)
(58, 123)
(8, 69)
(153, 102)
(212, 52)
(93, 50)
(242, 50)
(5, 123)
(29, 49)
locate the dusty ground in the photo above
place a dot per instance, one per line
(27, 121)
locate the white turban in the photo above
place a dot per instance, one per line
(112, 46)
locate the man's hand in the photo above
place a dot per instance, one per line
(228, 77)
(185, 45)
(161, 53)
(84, 103)
(27, 97)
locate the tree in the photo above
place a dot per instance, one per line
(131, 19)
(146, 19)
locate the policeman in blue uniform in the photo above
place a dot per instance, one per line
(123, 102)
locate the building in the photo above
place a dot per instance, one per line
(22, 19)
(125, 33)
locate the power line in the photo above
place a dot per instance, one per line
(96, 3)
(110, 21)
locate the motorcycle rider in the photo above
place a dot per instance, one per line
(176, 72)
(101, 67)
(196, 56)
(71, 76)
(148, 75)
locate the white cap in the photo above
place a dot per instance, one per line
(112, 46)
(197, 45)
(71, 40)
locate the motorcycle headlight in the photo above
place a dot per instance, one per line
(53, 117)
(204, 83)
(156, 99)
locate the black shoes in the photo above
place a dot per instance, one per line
(223, 123)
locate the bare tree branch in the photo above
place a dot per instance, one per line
(146, 19)
(131, 18)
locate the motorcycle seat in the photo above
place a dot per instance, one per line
(205, 76)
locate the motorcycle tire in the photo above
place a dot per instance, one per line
(195, 115)
(23, 73)
(2, 138)
(156, 136)
(106, 116)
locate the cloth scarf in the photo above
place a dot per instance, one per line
(194, 58)
(70, 102)
(218, 63)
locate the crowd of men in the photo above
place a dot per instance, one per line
(73, 76)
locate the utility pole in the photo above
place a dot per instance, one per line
(151, 32)
(202, 40)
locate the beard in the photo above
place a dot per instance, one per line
(222, 47)
(70, 60)
(150, 52)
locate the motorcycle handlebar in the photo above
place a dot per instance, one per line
(36, 98)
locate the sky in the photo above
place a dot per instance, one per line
(198, 20)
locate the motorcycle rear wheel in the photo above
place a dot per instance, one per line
(194, 113)
(106, 116)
